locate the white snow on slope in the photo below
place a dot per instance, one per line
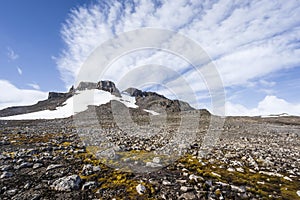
(82, 99)
(275, 115)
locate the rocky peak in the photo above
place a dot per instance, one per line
(139, 93)
(151, 100)
(106, 85)
(86, 86)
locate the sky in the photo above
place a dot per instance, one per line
(254, 46)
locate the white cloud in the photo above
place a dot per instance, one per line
(269, 105)
(11, 54)
(20, 72)
(247, 40)
(34, 86)
(13, 96)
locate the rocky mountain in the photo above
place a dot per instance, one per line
(144, 100)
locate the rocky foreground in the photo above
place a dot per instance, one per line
(254, 158)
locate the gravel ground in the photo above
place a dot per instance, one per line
(253, 158)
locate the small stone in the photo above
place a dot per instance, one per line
(238, 189)
(96, 168)
(287, 178)
(185, 188)
(6, 175)
(89, 185)
(239, 169)
(165, 182)
(26, 165)
(5, 167)
(298, 193)
(156, 160)
(195, 177)
(153, 165)
(90, 169)
(36, 197)
(12, 192)
(181, 181)
(215, 174)
(230, 169)
(67, 183)
(27, 186)
(188, 195)
(185, 174)
(141, 189)
(50, 167)
(37, 165)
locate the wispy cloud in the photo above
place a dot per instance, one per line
(11, 54)
(20, 72)
(247, 40)
(34, 86)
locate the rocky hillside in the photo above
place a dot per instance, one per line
(145, 100)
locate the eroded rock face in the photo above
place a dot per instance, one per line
(108, 86)
(86, 86)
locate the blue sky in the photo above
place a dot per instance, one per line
(30, 30)
(255, 46)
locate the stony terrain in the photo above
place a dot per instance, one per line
(254, 158)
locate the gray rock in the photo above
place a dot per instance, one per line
(156, 160)
(141, 189)
(188, 195)
(90, 169)
(27, 186)
(25, 165)
(153, 165)
(6, 174)
(89, 185)
(165, 182)
(185, 188)
(67, 183)
(12, 192)
(238, 189)
(37, 165)
(6, 167)
(51, 167)
(195, 177)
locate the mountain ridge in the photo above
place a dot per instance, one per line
(144, 99)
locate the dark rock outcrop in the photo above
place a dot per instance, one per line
(108, 86)
(154, 101)
(86, 86)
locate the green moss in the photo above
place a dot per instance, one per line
(250, 180)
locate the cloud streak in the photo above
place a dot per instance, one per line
(34, 86)
(11, 54)
(20, 72)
